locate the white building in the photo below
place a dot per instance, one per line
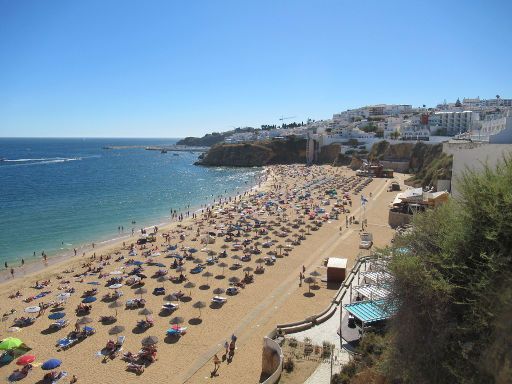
(454, 122)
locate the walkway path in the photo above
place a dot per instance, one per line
(261, 313)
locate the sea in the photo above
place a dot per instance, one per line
(60, 194)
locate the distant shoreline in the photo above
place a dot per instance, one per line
(34, 265)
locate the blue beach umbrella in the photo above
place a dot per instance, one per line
(192, 250)
(56, 315)
(89, 299)
(51, 364)
(93, 283)
(137, 263)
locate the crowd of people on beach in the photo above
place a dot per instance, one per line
(255, 229)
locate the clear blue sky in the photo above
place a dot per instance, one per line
(109, 68)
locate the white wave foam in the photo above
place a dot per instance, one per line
(44, 160)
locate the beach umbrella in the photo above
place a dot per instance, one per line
(259, 261)
(51, 364)
(137, 263)
(189, 286)
(207, 274)
(140, 291)
(162, 279)
(33, 309)
(10, 343)
(63, 296)
(280, 247)
(85, 320)
(192, 250)
(25, 359)
(171, 297)
(115, 286)
(309, 281)
(219, 291)
(145, 312)
(198, 260)
(199, 305)
(224, 246)
(181, 268)
(150, 340)
(315, 274)
(116, 304)
(93, 283)
(116, 273)
(89, 299)
(248, 269)
(222, 265)
(234, 279)
(177, 320)
(236, 257)
(116, 330)
(56, 315)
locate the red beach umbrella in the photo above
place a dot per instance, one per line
(26, 359)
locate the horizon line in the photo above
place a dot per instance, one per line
(86, 137)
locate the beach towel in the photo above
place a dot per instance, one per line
(61, 376)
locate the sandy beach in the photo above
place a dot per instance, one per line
(286, 226)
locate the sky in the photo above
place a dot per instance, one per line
(170, 68)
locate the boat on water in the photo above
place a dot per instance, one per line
(175, 154)
(163, 150)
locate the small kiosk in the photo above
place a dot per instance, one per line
(336, 270)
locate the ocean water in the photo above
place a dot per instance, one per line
(57, 194)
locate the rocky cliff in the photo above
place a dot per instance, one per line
(259, 153)
(428, 162)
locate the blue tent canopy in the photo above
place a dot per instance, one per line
(370, 311)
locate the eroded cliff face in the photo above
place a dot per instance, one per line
(253, 154)
(428, 162)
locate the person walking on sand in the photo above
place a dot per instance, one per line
(12, 273)
(216, 363)
(226, 347)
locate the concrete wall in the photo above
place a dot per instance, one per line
(397, 166)
(397, 219)
(503, 137)
(272, 361)
(444, 185)
(474, 157)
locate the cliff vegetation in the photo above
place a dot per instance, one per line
(452, 290)
(427, 162)
(257, 153)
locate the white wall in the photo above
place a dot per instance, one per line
(475, 159)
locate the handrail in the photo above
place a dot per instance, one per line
(310, 321)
